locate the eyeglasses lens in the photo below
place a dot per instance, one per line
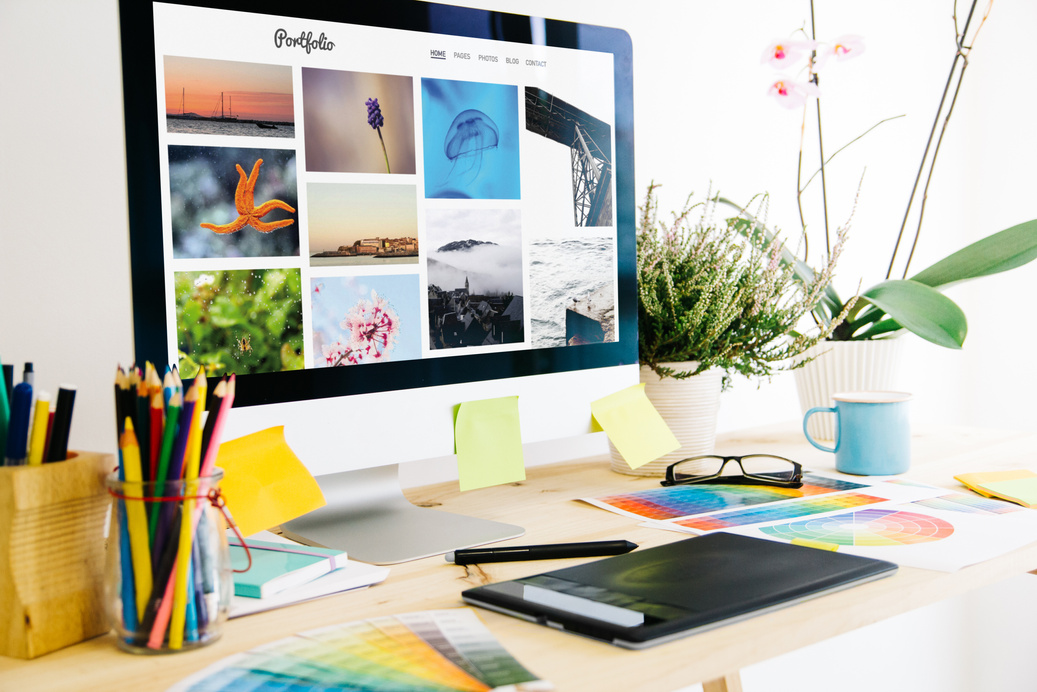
(765, 465)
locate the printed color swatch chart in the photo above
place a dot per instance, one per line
(429, 651)
(768, 513)
(868, 527)
(690, 500)
(960, 502)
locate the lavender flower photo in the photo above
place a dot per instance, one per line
(339, 111)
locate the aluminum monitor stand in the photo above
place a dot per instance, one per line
(368, 516)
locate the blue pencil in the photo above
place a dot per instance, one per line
(129, 600)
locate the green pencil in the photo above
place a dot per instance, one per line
(168, 436)
(5, 414)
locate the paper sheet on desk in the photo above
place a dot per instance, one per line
(264, 483)
(355, 575)
(908, 523)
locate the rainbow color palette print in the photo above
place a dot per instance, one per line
(427, 651)
(906, 522)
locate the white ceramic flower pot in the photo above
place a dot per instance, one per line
(845, 366)
(688, 406)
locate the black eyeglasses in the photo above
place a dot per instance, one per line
(756, 469)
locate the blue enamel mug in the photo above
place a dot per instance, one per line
(872, 432)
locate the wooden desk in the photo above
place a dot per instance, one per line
(544, 505)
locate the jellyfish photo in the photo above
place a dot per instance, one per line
(470, 140)
(471, 133)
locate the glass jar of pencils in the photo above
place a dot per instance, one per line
(168, 583)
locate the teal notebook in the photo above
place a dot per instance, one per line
(279, 566)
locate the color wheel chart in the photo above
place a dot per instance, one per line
(867, 527)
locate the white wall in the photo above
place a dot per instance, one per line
(701, 118)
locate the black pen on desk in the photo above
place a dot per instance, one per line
(550, 551)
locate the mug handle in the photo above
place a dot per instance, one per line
(821, 409)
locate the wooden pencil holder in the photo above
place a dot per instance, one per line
(52, 553)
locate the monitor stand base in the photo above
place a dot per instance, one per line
(368, 516)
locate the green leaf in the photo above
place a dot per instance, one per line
(1007, 249)
(920, 309)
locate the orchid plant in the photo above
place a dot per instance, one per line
(372, 326)
(914, 302)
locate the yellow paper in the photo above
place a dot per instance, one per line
(264, 483)
(634, 426)
(1019, 490)
(488, 441)
(979, 481)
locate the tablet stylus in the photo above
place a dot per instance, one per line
(539, 552)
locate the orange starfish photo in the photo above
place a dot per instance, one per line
(248, 213)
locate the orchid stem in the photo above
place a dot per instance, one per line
(958, 55)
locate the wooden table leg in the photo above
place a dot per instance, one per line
(731, 682)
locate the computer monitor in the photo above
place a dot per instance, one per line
(371, 213)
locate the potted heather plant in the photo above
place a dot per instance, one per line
(714, 301)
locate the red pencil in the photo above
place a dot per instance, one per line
(155, 435)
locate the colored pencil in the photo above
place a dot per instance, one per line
(38, 434)
(224, 394)
(166, 451)
(156, 421)
(168, 386)
(192, 464)
(57, 448)
(5, 414)
(135, 516)
(130, 617)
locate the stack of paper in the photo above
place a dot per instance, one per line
(345, 576)
(429, 651)
(1018, 486)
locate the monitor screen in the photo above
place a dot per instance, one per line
(371, 213)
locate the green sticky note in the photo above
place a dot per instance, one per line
(634, 426)
(1022, 489)
(488, 441)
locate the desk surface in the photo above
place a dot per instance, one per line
(544, 505)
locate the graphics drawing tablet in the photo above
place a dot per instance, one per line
(655, 595)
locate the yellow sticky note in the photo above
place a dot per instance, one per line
(634, 426)
(1021, 490)
(264, 483)
(489, 443)
(979, 481)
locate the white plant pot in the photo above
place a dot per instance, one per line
(845, 366)
(688, 406)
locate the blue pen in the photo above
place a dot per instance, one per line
(18, 430)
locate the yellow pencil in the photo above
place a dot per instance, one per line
(136, 517)
(192, 462)
(38, 438)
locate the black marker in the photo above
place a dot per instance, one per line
(550, 551)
